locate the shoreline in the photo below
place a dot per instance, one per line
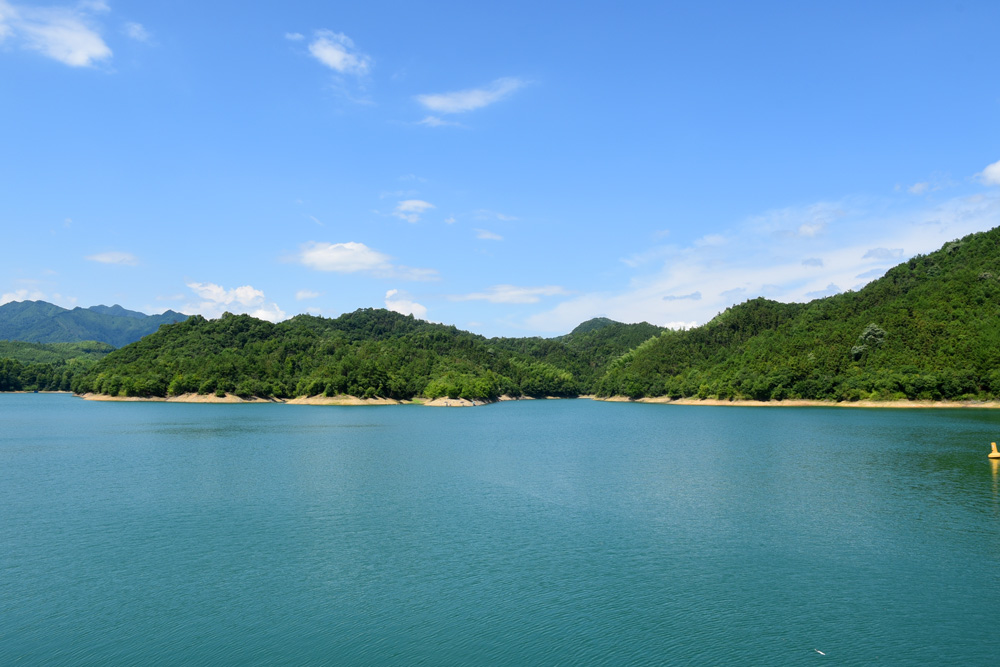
(804, 403)
(445, 402)
(341, 399)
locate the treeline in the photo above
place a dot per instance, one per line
(926, 330)
(46, 366)
(16, 376)
(368, 353)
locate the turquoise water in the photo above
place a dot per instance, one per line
(529, 533)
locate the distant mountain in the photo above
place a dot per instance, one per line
(118, 311)
(42, 322)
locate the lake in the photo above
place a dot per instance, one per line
(530, 533)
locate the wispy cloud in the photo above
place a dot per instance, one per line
(303, 294)
(884, 254)
(870, 275)
(799, 221)
(767, 256)
(829, 290)
(136, 31)
(471, 99)
(22, 295)
(511, 294)
(402, 303)
(693, 296)
(352, 257)
(214, 300)
(487, 235)
(411, 209)
(67, 34)
(434, 121)
(123, 258)
(487, 214)
(649, 255)
(336, 51)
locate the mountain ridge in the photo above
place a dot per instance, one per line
(44, 322)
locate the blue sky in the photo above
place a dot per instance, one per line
(512, 168)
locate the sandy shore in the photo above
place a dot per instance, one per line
(445, 402)
(341, 399)
(802, 403)
(183, 398)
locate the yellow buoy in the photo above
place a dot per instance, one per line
(994, 454)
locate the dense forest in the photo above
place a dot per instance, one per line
(46, 366)
(926, 330)
(367, 353)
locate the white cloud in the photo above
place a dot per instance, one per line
(468, 100)
(137, 32)
(681, 325)
(336, 51)
(216, 300)
(411, 209)
(400, 302)
(65, 34)
(812, 261)
(918, 188)
(990, 175)
(294, 36)
(487, 235)
(22, 295)
(347, 257)
(511, 294)
(354, 257)
(124, 258)
(306, 294)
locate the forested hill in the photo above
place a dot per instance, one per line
(928, 329)
(42, 322)
(367, 353)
